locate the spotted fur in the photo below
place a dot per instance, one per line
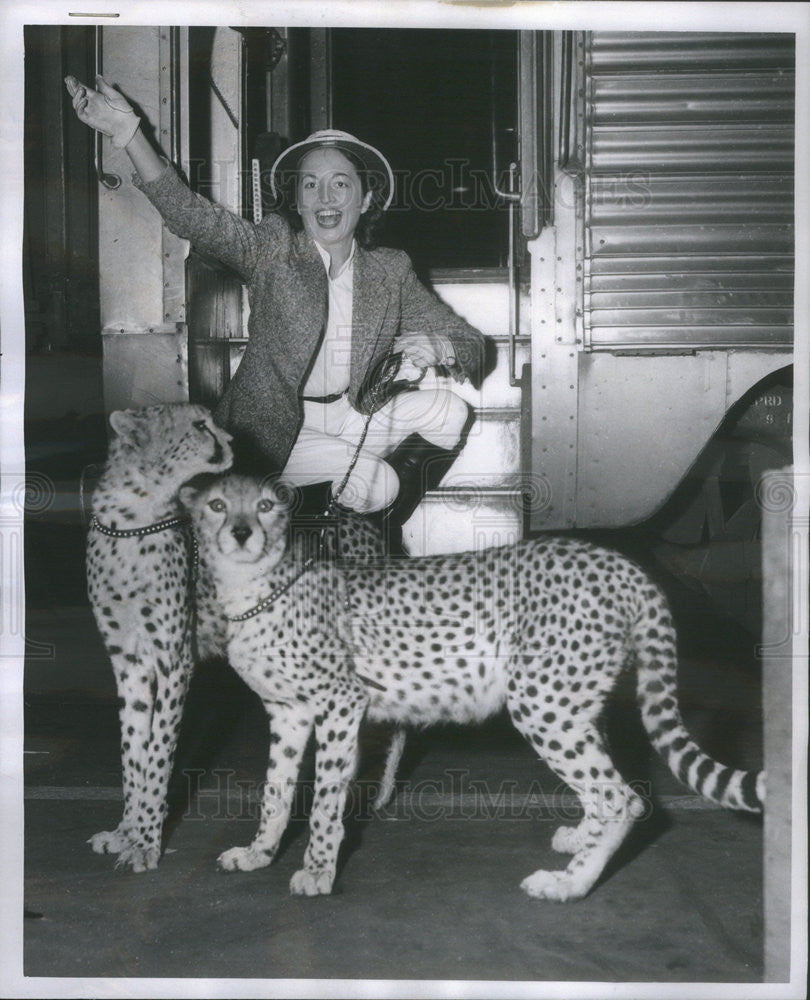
(139, 590)
(545, 627)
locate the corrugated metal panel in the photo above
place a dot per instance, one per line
(689, 190)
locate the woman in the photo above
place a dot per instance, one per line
(327, 308)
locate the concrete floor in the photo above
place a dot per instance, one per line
(429, 890)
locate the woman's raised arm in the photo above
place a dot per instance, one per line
(210, 227)
(108, 111)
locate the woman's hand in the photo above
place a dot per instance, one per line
(426, 349)
(106, 110)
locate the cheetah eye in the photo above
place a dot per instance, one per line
(200, 425)
(217, 505)
(264, 506)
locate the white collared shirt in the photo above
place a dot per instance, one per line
(330, 372)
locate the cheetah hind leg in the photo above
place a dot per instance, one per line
(389, 775)
(570, 839)
(610, 808)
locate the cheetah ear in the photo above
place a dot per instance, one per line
(129, 426)
(188, 496)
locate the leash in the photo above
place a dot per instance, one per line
(278, 592)
(274, 594)
(379, 387)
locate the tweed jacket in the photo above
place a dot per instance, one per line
(288, 294)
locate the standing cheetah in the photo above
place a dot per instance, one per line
(545, 627)
(139, 578)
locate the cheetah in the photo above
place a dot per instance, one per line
(139, 574)
(544, 627)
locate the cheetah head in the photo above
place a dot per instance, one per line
(173, 441)
(238, 518)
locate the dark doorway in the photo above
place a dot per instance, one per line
(442, 106)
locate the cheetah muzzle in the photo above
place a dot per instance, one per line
(544, 627)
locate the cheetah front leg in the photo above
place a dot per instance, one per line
(136, 703)
(290, 726)
(151, 691)
(336, 731)
(174, 669)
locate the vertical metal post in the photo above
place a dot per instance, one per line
(111, 181)
(170, 123)
(320, 81)
(776, 492)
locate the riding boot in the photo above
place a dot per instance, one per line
(420, 466)
(329, 531)
(313, 526)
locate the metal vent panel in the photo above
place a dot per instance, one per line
(689, 190)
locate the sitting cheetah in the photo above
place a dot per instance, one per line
(545, 626)
(139, 578)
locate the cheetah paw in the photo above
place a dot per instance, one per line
(307, 883)
(558, 886)
(568, 840)
(243, 859)
(139, 859)
(110, 842)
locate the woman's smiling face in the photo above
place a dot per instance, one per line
(330, 196)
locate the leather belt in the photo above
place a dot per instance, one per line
(331, 398)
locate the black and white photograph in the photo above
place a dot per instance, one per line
(405, 491)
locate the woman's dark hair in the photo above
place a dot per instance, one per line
(371, 222)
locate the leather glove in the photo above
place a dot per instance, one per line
(106, 110)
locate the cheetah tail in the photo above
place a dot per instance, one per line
(656, 662)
